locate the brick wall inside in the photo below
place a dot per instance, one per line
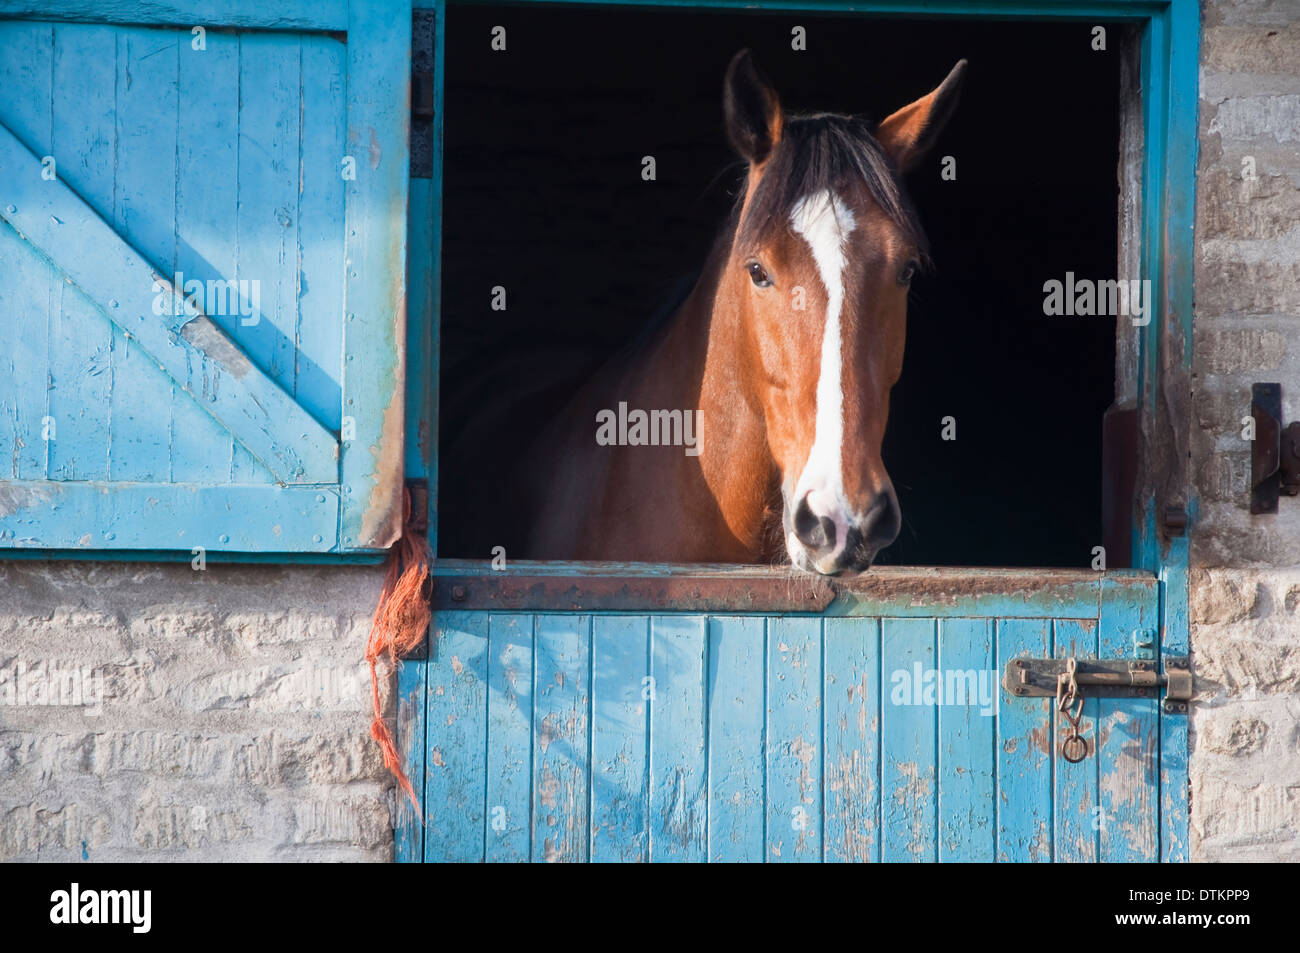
(1245, 605)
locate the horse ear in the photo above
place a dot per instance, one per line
(751, 109)
(909, 133)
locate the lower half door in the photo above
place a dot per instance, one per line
(876, 729)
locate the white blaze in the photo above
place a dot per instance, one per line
(826, 223)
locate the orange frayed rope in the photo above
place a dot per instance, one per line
(400, 622)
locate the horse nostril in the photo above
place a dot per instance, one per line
(885, 521)
(815, 532)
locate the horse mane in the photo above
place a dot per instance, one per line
(822, 151)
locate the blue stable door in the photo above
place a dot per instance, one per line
(877, 729)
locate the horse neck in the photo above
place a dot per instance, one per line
(703, 361)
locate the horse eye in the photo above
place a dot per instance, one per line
(758, 275)
(909, 271)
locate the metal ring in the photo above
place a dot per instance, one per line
(1074, 743)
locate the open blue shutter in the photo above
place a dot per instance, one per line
(260, 152)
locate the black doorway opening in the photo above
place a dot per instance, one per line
(543, 196)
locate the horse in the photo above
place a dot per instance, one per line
(785, 352)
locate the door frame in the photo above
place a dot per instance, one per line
(1165, 504)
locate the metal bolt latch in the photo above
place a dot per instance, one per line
(1103, 678)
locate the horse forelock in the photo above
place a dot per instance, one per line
(818, 154)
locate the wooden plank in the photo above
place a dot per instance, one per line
(976, 9)
(300, 14)
(80, 348)
(24, 357)
(1170, 64)
(737, 792)
(561, 698)
(679, 777)
(30, 285)
(206, 247)
(319, 330)
(412, 719)
(244, 467)
(922, 593)
(1024, 770)
(270, 92)
(121, 283)
(420, 398)
(432, 227)
(1128, 733)
(27, 50)
(1128, 338)
(456, 738)
(510, 638)
(510, 738)
(246, 14)
(80, 340)
(374, 328)
(1076, 821)
(139, 201)
(967, 740)
(851, 732)
(1180, 257)
(909, 738)
(244, 519)
(794, 742)
(1174, 630)
(620, 735)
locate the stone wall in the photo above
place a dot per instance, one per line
(1245, 605)
(158, 712)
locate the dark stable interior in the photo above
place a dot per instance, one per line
(543, 196)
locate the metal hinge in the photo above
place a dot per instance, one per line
(1274, 450)
(1104, 678)
(422, 93)
(418, 490)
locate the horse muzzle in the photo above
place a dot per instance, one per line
(823, 535)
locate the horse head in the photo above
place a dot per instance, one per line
(825, 247)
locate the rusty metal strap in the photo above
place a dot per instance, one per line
(676, 592)
(656, 587)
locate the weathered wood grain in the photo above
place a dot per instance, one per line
(457, 740)
(851, 734)
(967, 741)
(622, 696)
(737, 766)
(510, 738)
(1024, 798)
(794, 740)
(909, 740)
